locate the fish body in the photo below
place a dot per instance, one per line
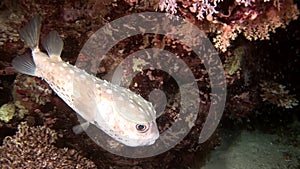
(119, 112)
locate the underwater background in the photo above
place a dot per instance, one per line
(257, 42)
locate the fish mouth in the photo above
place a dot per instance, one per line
(152, 142)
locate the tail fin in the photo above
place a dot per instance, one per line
(24, 64)
(30, 33)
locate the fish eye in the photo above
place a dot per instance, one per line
(142, 128)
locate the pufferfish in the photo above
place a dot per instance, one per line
(125, 116)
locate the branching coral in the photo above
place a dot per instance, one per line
(32, 147)
(276, 17)
(254, 18)
(276, 94)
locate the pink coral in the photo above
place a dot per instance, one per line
(169, 6)
(254, 18)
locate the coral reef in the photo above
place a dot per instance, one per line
(27, 87)
(33, 147)
(241, 106)
(10, 19)
(256, 19)
(276, 94)
(76, 20)
(22, 110)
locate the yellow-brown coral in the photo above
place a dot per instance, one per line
(260, 28)
(276, 94)
(32, 147)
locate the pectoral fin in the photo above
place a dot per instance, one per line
(81, 127)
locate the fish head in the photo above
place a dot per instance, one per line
(131, 119)
(137, 134)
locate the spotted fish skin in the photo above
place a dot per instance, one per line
(122, 114)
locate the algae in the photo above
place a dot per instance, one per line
(7, 112)
(233, 63)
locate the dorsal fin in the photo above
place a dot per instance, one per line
(53, 44)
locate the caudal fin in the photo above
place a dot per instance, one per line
(30, 33)
(24, 64)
